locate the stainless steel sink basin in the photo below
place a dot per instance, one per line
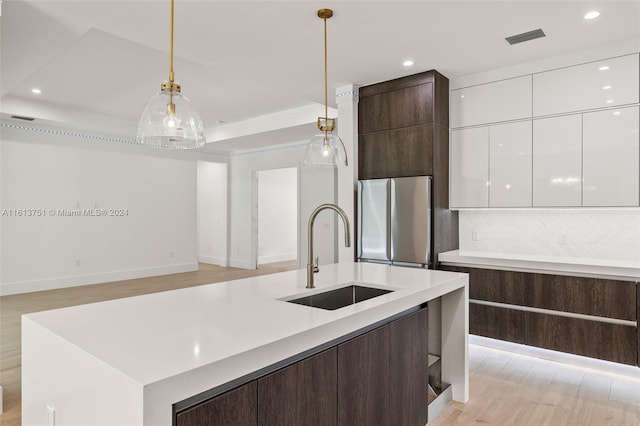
(340, 297)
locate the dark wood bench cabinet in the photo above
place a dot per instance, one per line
(376, 378)
(597, 318)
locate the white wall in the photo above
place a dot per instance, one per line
(581, 234)
(317, 186)
(277, 215)
(156, 234)
(212, 212)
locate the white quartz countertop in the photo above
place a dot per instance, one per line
(617, 270)
(180, 343)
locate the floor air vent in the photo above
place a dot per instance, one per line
(529, 35)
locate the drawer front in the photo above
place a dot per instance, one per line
(588, 296)
(495, 286)
(496, 323)
(611, 342)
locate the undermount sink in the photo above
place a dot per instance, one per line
(340, 297)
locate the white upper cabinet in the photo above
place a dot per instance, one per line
(610, 157)
(510, 165)
(599, 84)
(557, 161)
(490, 103)
(469, 171)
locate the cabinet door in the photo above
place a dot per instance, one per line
(492, 102)
(496, 323)
(599, 84)
(363, 380)
(404, 107)
(396, 153)
(469, 168)
(557, 162)
(301, 394)
(611, 158)
(238, 407)
(510, 165)
(409, 369)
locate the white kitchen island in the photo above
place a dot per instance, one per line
(127, 361)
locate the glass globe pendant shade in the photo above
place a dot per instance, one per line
(326, 150)
(169, 121)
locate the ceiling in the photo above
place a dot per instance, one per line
(240, 59)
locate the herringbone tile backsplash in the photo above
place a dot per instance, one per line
(610, 235)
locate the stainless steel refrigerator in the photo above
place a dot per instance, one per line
(394, 221)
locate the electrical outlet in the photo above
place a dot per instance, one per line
(77, 262)
(563, 239)
(475, 235)
(171, 254)
(51, 415)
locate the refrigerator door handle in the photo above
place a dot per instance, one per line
(390, 207)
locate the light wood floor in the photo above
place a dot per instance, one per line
(505, 388)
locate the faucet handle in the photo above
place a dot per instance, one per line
(315, 265)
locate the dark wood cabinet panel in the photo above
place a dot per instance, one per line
(363, 380)
(445, 221)
(301, 394)
(234, 408)
(409, 370)
(589, 296)
(612, 342)
(396, 153)
(496, 286)
(400, 108)
(497, 323)
(638, 321)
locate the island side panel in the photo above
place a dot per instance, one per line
(455, 342)
(81, 389)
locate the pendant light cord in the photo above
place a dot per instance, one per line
(171, 75)
(326, 108)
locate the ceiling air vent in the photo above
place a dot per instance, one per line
(22, 117)
(529, 35)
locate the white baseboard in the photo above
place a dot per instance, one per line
(213, 260)
(276, 258)
(98, 278)
(0, 399)
(241, 263)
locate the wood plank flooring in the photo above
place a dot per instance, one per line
(505, 388)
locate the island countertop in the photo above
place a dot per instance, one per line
(141, 354)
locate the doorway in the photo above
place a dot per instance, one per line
(277, 216)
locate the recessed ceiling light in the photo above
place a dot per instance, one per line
(36, 91)
(616, 113)
(592, 15)
(610, 101)
(603, 68)
(607, 87)
(407, 63)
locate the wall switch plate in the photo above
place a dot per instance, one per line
(51, 415)
(475, 235)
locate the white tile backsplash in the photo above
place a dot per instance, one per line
(573, 233)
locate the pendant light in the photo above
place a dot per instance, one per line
(168, 120)
(326, 148)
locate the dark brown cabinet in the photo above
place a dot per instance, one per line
(403, 130)
(383, 375)
(301, 394)
(408, 369)
(592, 317)
(363, 379)
(377, 378)
(234, 408)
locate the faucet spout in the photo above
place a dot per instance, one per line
(312, 267)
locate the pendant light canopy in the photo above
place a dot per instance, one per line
(168, 120)
(326, 148)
